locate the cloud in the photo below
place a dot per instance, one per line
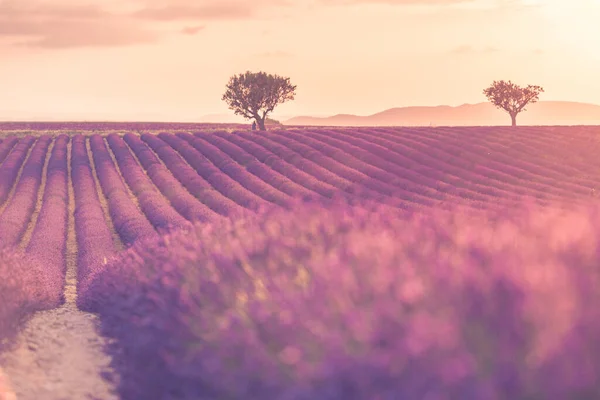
(74, 23)
(192, 30)
(63, 24)
(191, 13)
(187, 10)
(68, 25)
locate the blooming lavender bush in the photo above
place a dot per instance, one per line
(155, 206)
(343, 302)
(129, 221)
(16, 215)
(11, 165)
(48, 243)
(22, 291)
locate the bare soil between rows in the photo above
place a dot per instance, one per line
(59, 355)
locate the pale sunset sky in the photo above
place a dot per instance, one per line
(170, 60)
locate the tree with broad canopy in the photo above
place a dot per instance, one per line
(254, 95)
(511, 97)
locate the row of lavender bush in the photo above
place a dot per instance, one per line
(189, 178)
(475, 166)
(6, 146)
(215, 177)
(48, 244)
(15, 218)
(95, 245)
(537, 156)
(12, 165)
(181, 199)
(347, 182)
(345, 302)
(23, 290)
(273, 176)
(155, 206)
(129, 221)
(32, 281)
(236, 172)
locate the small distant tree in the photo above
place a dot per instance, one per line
(254, 95)
(512, 98)
(271, 121)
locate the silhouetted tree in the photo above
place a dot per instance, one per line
(254, 95)
(512, 98)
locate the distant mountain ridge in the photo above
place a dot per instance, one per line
(480, 114)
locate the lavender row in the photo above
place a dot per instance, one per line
(189, 178)
(9, 170)
(298, 170)
(226, 164)
(129, 222)
(501, 174)
(186, 204)
(355, 189)
(349, 173)
(278, 164)
(457, 182)
(158, 210)
(215, 177)
(6, 146)
(95, 245)
(22, 292)
(18, 212)
(270, 176)
(378, 162)
(297, 160)
(349, 303)
(376, 165)
(24, 285)
(460, 181)
(48, 243)
(465, 165)
(481, 165)
(519, 150)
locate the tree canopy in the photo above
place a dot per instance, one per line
(254, 95)
(511, 97)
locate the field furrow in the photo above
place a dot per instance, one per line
(157, 208)
(188, 177)
(129, 221)
(19, 210)
(252, 165)
(181, 199)
(220, 181)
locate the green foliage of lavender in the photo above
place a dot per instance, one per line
(348, 303)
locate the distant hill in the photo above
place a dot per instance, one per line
(541, 113)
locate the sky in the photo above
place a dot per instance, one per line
(155, 60)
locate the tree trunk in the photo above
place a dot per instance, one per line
(513, 117)
(261, 124)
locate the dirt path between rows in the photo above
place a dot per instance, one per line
(59, 356)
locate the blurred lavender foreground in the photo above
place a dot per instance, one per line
(346, 303)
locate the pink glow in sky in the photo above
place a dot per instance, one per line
(170, 60)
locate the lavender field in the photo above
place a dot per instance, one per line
(366, 263)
